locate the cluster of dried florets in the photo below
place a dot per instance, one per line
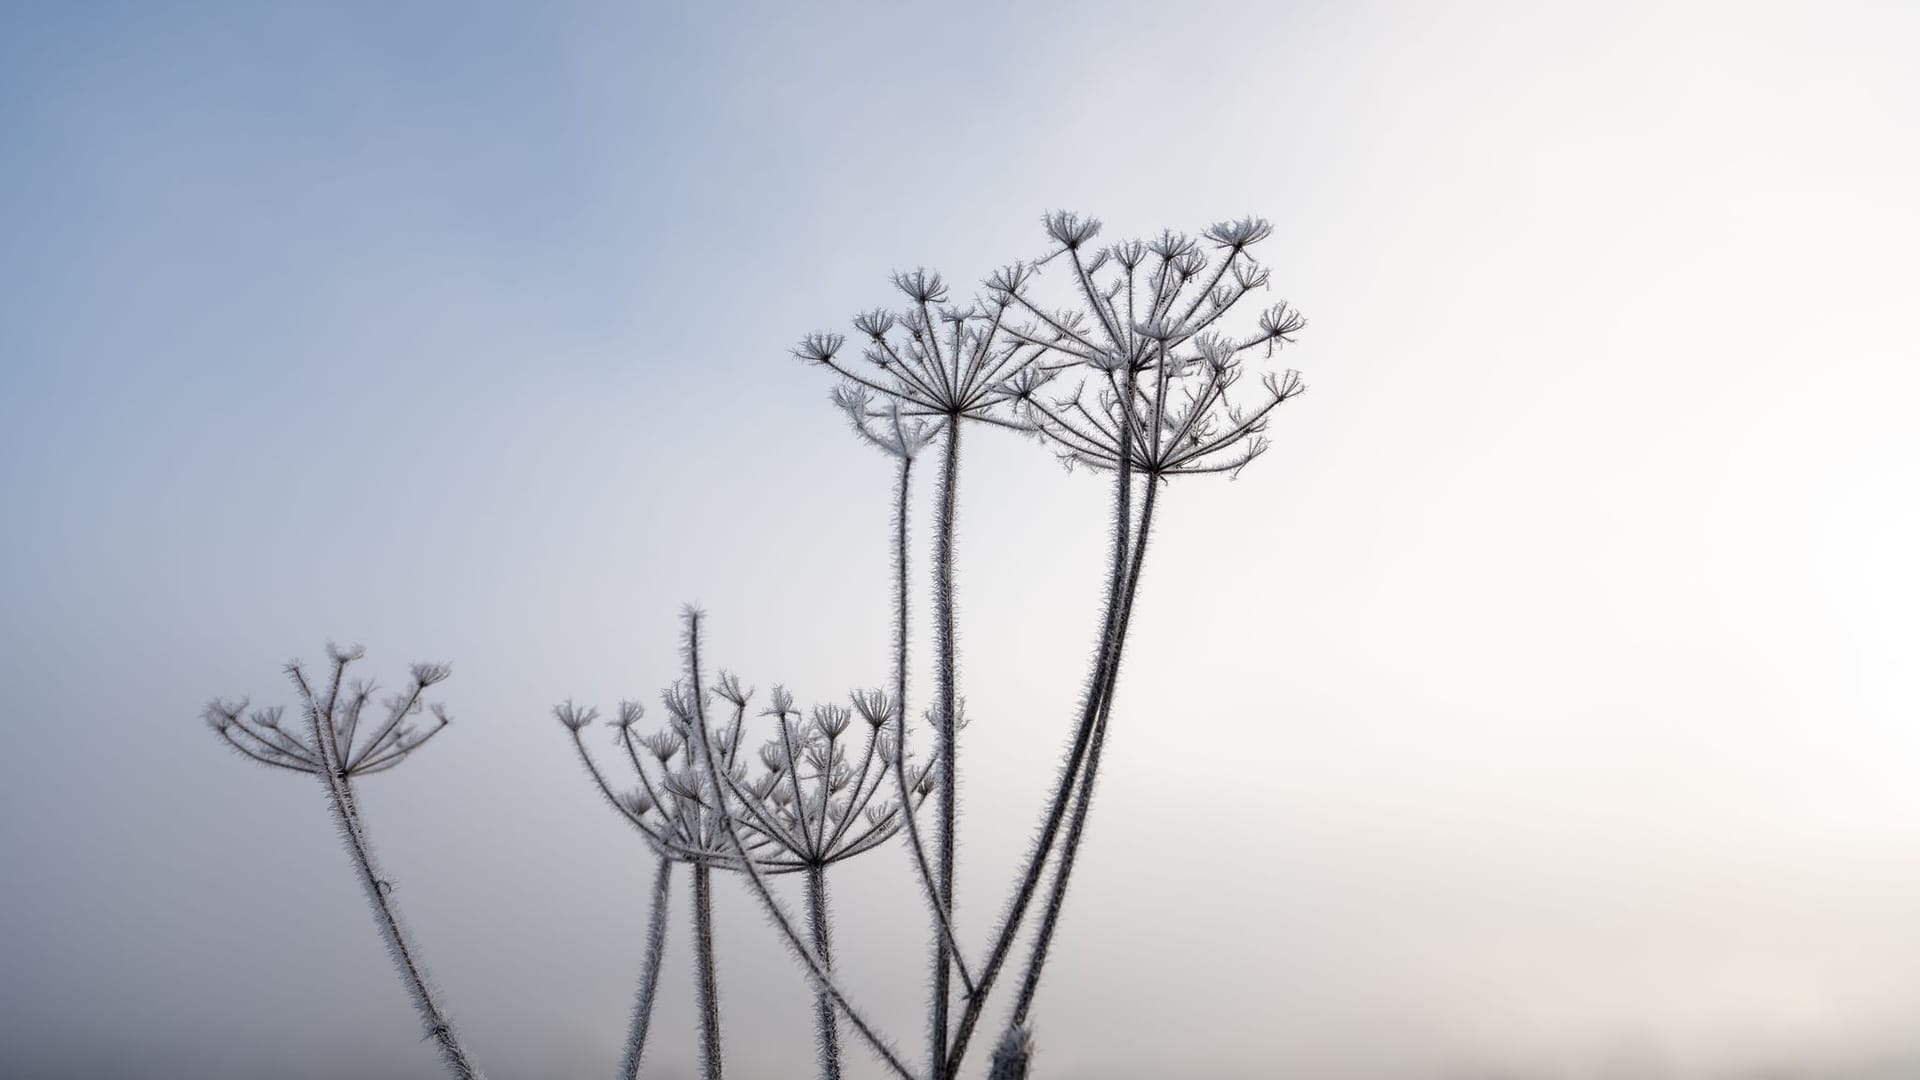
(340, 740)
(813, 802)
(1155, 373)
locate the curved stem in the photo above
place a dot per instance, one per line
(829, 1025)
(708, 987)
(379, 889)
(1069, 770)
(942, 925)
(1070, 847)
(649, 971)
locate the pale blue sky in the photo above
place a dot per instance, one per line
(1567, 632)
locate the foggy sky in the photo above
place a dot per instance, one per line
(1540, 707)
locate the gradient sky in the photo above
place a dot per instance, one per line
(1541, 707)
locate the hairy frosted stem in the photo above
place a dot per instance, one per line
(946, 680)
(942, 925)
(708, 988)
(947, 675)
(1083, 799)
(829, 1025)
(649, 971)
(379, 889)
(1056, 810)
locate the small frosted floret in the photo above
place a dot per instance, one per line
(1069, 229)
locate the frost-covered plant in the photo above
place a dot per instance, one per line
(335, 746)
(1134, 371)
(1137, 375)
(809, 808)
(669, 812)
(945, 362)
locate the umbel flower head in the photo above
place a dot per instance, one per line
(1146, 368)
(815, 798)
(813, 802)
(673, 807)
(930, 358)
(334, 735)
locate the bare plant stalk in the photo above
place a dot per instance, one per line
(1057, 806)
(945, 686)
(1070, 846)
(379, 889)
(649, 971)
(823, 946)
(942, 924)
(708, 988)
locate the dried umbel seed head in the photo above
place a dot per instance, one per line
(774, 756)
(1069, 229)
(781, 703)
(921, 286)
(831, 720)
(344, 654)
(575, 717)
(874, 706)
(663, 745)
(819, 348)
(629, 714)
(333, 739)
(1239, 234)
(728, 688)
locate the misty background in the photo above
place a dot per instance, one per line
(1542, 706)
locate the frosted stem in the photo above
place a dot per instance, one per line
(379, 890)
(708, 987)
(1056, 810)
(1083, 799)
(829, 1025)
(649, 971)
(946, 678)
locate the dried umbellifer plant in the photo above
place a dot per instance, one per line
(1133, 371)
(335, 746)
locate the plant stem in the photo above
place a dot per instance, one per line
(1069, 770)
(346, 816)
(946, 680)
(823, 947)
(942, 926)
(649, 971)
(1070, 847)
(708, 988)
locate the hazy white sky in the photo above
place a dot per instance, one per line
(1562, 649)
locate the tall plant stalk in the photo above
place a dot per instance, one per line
(1069, 772)
(829, 1026)
(1083, 799)
(649, 970)
(946, 681)
(379, 890)
(707, 981)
